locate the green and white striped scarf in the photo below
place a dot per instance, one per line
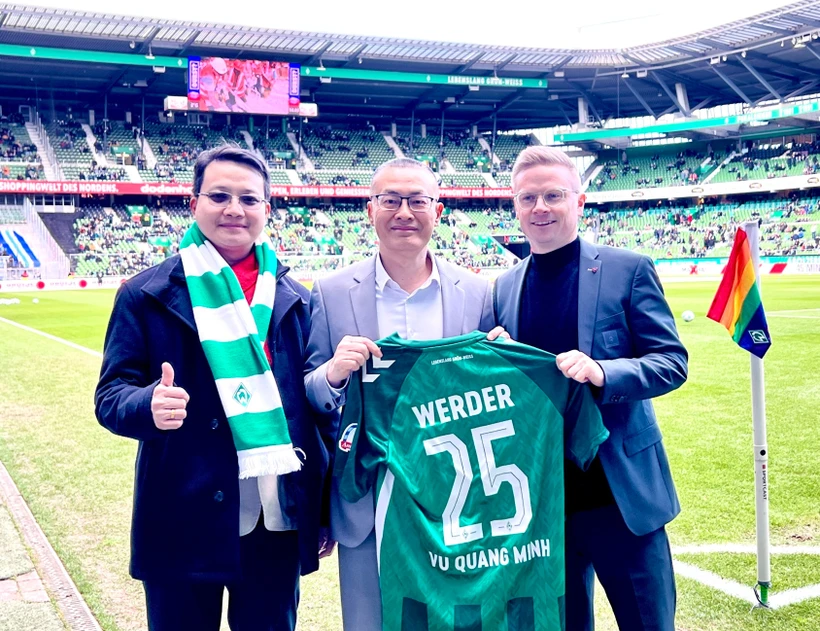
(232, 335)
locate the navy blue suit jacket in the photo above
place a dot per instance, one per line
(185, 522)
(626, 325)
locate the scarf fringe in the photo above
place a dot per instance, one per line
(279, 460)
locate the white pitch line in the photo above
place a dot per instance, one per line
(793, 596)
(745, 593)
(53, 338)
(710, 579)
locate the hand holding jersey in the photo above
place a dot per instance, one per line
(468, 481)
(350, 355)
(580, 367)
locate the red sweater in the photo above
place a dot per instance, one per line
(247, 272)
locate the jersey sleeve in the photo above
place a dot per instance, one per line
(362, 443)
(584, 429)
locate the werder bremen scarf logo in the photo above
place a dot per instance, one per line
(242, 395)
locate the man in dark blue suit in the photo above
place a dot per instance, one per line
(197, 528)
(601, 310)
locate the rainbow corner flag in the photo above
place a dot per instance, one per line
(737, 304)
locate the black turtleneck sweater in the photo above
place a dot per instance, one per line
(549, 321)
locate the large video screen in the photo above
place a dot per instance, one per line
(216, 84)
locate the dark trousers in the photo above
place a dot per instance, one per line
(635, 572)
(264, 599)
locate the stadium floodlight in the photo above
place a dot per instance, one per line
(714, 60)
(743, 54)
(150, 55)
(558, 73)
(641, 74)
(473, 88)
(625, 75)
(325, 79)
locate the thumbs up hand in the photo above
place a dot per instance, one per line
(168, 402)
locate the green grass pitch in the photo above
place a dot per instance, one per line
(77, 477)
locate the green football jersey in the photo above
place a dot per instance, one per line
(464, 441)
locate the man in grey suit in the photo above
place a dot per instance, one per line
(404, 289)
(601, 310)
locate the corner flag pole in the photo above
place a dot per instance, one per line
(764, 575)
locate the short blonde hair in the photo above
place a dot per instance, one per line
(539, 155)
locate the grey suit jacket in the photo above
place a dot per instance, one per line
(344, 303)
(625, 324)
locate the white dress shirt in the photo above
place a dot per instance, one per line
(414, 316)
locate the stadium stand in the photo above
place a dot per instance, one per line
(118, 238)
(69, 142)
(11, 171)
(349, 178)
(463, 179)
(708, 230)
(769, 162)
(339, 150)
(15, 143)
(276, 150)
(19, 159)
(176, 147)
(634, 170)
(94, 172)
(424, 149)
(121, 141)
(508, 146)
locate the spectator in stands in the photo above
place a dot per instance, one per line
(404, 289)
(197, 528)
(609, 326)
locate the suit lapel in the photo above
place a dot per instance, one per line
(509, 298)
(172, 291)
(363, 303)
(589, 284)
(452, 301)
(284, 299)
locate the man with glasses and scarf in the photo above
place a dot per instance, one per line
(203, 366)
(403, 289)
(602, 311)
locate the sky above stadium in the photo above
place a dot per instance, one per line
(538, 23)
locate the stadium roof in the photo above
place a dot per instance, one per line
(771, 56)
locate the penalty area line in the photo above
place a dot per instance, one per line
(53, 338)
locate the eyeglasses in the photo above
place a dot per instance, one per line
(390, 202)
(527, 200)
(222, 199)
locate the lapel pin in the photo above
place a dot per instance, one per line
(592, 269)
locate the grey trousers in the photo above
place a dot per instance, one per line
(359, 585)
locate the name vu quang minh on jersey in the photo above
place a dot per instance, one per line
(464, 441)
